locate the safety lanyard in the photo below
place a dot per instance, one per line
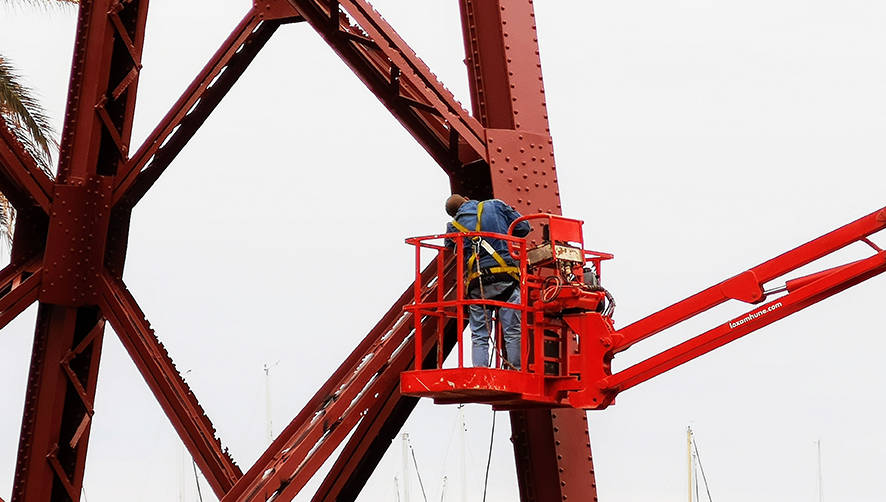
(480, 242)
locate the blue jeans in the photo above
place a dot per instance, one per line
(480, 319)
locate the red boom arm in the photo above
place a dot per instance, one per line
(747, 287)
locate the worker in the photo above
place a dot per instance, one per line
(491, 272)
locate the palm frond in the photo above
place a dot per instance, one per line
(21, 110)
(34, 150)
(25, 117)
(37, 3)
(7, 221)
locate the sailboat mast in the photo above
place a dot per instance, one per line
(689, 462)
(405, 473)
(820, 489)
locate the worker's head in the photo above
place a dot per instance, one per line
(453, 203)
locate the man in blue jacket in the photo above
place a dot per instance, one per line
(490, 272)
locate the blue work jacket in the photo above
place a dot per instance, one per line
(497, 217)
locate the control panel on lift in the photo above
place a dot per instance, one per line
(564, 313)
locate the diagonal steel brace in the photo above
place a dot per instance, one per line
(171, 391)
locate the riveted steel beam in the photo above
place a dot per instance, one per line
(21, 180)
(508, 97)
(68, 337)
(400, 80)
(58, 404)
(197, 102)
(506, 153)
(351, 396)
(19, 286)
(171, 391)
(374, 435)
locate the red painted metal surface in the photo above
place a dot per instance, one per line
(588, 341)
(748, 287)
(392, 71)
(553, 455)
(356, 387)
(21, 180)
(68, 338)
(501, 49)
(507, 91)
(199, 100)
(18, 289)
(174, 396)
(552, 358)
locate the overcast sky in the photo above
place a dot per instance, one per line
(696, 138)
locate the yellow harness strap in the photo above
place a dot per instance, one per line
(502, 267)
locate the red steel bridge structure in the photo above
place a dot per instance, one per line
(69, 252)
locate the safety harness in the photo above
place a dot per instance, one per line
(479, 242)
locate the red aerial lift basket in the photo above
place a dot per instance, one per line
(557, 276)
